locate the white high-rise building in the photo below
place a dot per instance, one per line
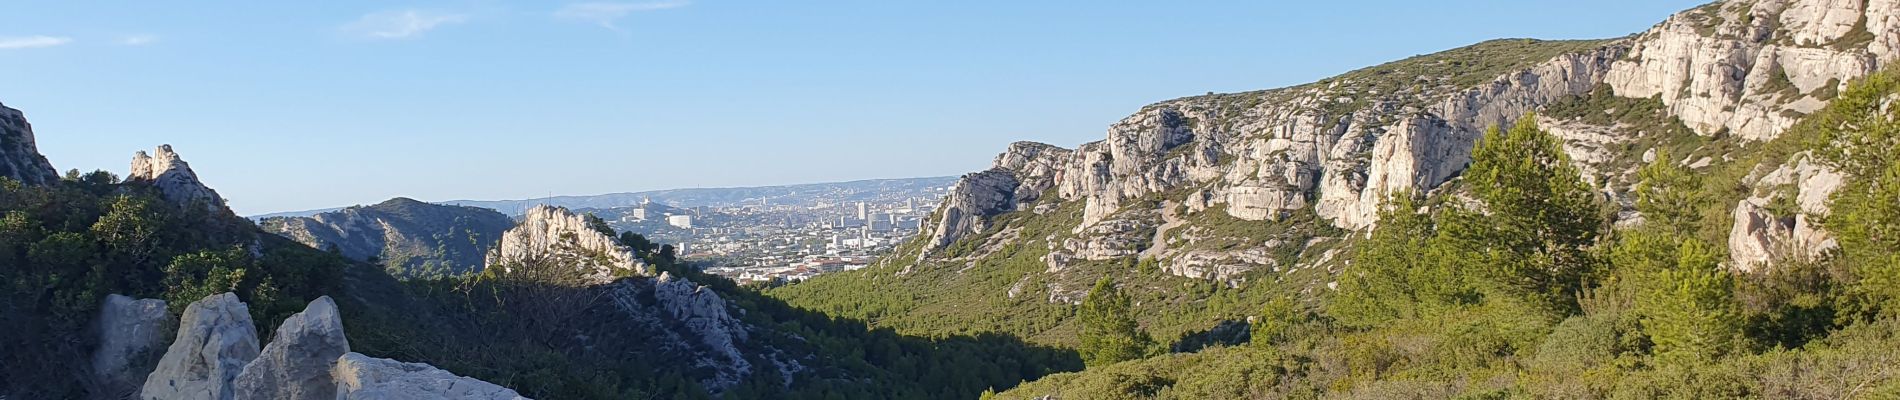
(864, 212)
(680, 221)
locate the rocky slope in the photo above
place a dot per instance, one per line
(410, 237)
(682, 319)
(1268, 189)
(20, 157)
(1338, 148)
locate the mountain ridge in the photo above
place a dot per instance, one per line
(684, 197)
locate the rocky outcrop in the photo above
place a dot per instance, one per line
(215, 340)
(130, 334)
(1018, 176)
(705, 316)
(174, 178)
(296, 364)
(1761, 236)
(405, 234)
(556, 232)
(362, 377)
(20, 157)
(690, 322)
(1752, 68)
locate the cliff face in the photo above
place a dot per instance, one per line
(20, 157)
(1018, 176)
(1751, 68)
(409, 236)
(1336, 149)
(556, 232)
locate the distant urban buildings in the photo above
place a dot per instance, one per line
(680, 221)
(755, 240)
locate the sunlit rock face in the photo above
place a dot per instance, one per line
(174, 178)
(556, 232)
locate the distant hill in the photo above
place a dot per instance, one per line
(801, 194)
(411, 237)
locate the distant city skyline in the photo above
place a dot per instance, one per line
(297, 106)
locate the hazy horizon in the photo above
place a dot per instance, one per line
(308, 106)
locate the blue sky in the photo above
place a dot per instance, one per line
(300, 105)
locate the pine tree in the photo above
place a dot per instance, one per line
(1109, 333)
(1668, 195)
(1687, 304)
(1538, 216)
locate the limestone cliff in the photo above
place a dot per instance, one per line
(20, 157)
(1336, 149)
(670, 317)
(554, 231)
(173, 177)
(1752, 68)
(1018, 176)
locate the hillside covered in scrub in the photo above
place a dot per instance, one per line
(1660, 215)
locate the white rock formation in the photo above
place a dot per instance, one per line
(1760, 237)
(173, 177)
(20, 157)
(1752, 68)
(360, 377)
(215, 340)
(1018, 176)
(548, 230)
(1746, 68)
(131, 335)
(704, 314)
(296, 364)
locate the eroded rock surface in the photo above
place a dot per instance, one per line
(215, 340)
(554, 231)
(131, 336)
(20, 157)
(360, 377)
(296, 364)
(173, 177)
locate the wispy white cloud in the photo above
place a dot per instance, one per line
(138, 40)
(400, 24)
(608, 14)
(28, 42)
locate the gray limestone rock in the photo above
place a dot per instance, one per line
(296, 364)
(215, 340)
(20, 157)
(131, 334)
(173, 177)
(360, 377)
(545, 231)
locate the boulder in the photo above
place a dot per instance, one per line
(215, 340)
(362, 377)
(296, 364)
(130, 333)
